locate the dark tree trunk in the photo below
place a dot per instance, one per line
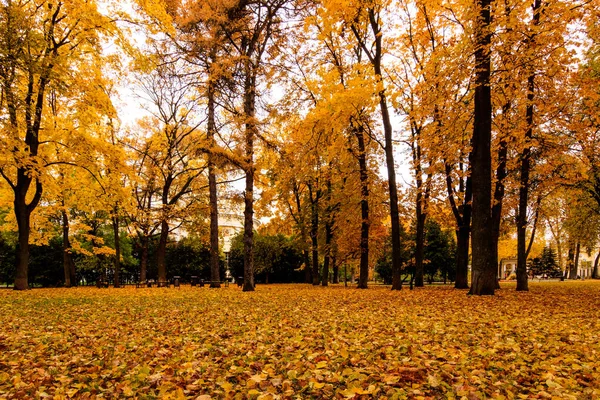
(68, 264)
(364, 209)
(575, 271)
(420, 242)
(212, 189)
(483, 278)
(336, 270)
(161, 251)
(23, 216)
(144, 258)
(596, 273)
(525, 168)
(571, 269)
(462, 257)
(250, 132)
(117, 264)
(375, 56)
(307, 267)
(314, 235)
(499, 198)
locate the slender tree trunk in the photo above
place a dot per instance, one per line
(144, 257)
(571, 269)
(161, 251)
(525, 169)
(499, 198)
(68, 264)
(307, 267)
(212, 190)
(336, 270)
(314, 236)
(462, 215)
(117, 264)
(575, 272)
(483, 278)
(250, 132)
(375, 57)
(364, 209)
(420, 242)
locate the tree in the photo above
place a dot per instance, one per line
(483, 278)
(545, 264)
(46, 48)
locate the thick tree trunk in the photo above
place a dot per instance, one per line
(596, 272)
(364, 209)
(161, 251)
(22, 259)
(212, 190)
(117, 263)
(483, 278)
(68, 264)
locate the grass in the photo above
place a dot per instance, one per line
(299, 341)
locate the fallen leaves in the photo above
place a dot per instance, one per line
(297, 341)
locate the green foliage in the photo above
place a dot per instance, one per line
(276, 258)
(383, 267)
(545, 264)
(439, 251)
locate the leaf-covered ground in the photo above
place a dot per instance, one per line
(296, 341)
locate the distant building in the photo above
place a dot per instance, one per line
(506, 267)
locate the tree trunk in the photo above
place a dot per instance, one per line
(68, 264)
(462, 215)
(499, 198)
(314, 234)
(23, 216)
(483, 278)
(576, 261)
(250, 132)
(144, 258)
(307, 267)
(161, 251)
(525, 168)
(117, 264)
(364, 209)
(596, 272)
(336, 269)
(571, 269)
(212, 189)
(375, 57)
(420, 242)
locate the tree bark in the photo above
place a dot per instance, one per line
(314, 234)
(364, 209)
(571, 269)
(161, 251)
(596, 272)
(68, 264)
(525, 169)
(250, 132)
(212, 185)
(483, 278)
(144, 258)
(117, 262)
(462, 215)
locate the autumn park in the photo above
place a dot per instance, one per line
(290, 199)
